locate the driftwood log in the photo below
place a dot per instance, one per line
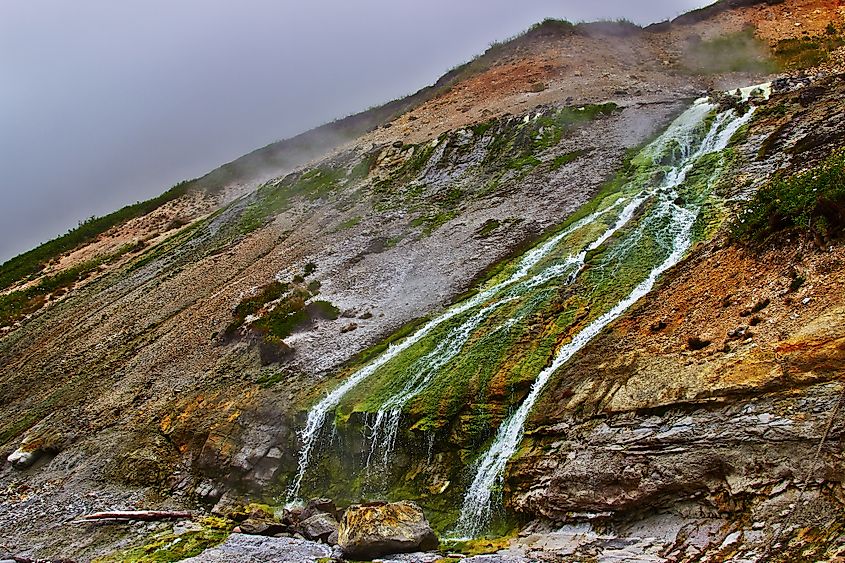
(146, 515)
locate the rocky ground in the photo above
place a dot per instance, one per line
(130, 398)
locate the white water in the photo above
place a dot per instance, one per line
(310, 434)
(476, 512)
(537, 267)
(385, 427)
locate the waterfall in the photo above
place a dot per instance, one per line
(476, 512)
(639, 212)
(310, 434)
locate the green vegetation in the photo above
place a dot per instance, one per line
(278, 309)
(734, 52)
(252, 305)
(487, 228)
(553, 25)
(516, 148)
(285, 317)
(498, 49)
(566, 158)
(813, 200)
(512, 148)
(465, 376)
(806, 52)
(325, 310)
(31, 263)
(167, 546)
(349, 223)
(16, 305)
(314, 184)
(479, 129)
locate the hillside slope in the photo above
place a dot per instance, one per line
(179, 370)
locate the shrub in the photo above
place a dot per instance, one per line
(807, 52)
(537, 87)
(813, 200)
(32, 262)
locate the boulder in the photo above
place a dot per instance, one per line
(318, 506)
(262, 527)
(21, 459)
(376, 529)
(320, 527)
(44, 439)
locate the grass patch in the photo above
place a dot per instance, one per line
(279, 309)
(312, 185)
(566, 158)
(325, 310)
(16, 305)
(349, 223)
(806, 52)
(31, 263)
(813, 201)
(734, 52)
(487, 228)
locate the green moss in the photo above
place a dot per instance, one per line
(813, 201)
(806, 52)
(479, 129)
(487, 228)
(528, 161)
(166, 546)
(566, 158)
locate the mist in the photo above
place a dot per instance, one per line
(106, 103)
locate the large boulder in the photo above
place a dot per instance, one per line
(376, 529)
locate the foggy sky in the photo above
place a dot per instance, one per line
(104, 103)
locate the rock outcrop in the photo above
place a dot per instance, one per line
(372, 530)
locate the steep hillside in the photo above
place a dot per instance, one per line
(534, 267)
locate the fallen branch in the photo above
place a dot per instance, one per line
(146, 515)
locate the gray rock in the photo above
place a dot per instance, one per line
(23, 459)
(373, 530)
(318, 506)
(259, 549)
(319, 527)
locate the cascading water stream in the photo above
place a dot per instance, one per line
(318, 413)
(558, 261)
(384, 429)
(476, 512)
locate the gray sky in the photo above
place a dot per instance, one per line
(104, 102)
